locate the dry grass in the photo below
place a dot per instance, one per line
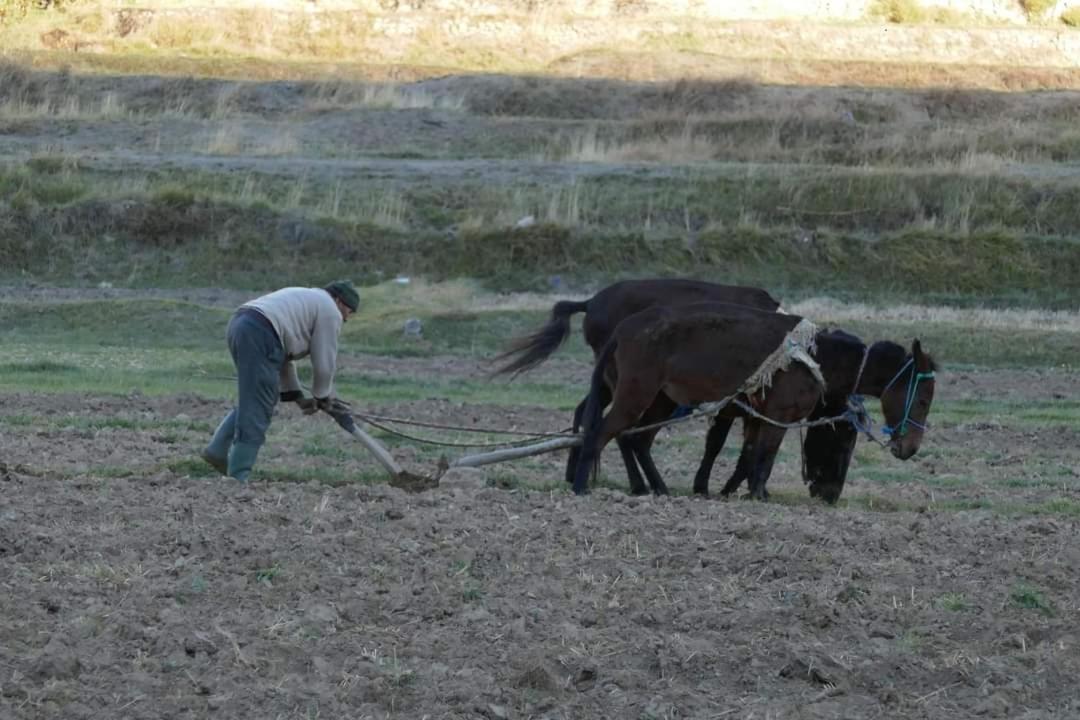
(235, 138)
(916, 12)
(948, 170)
(566, 205)
(62, 106)
(315, 41)
(980, 147)
(31, 94)
(226, 139)
(682, 148)
(1037, 8)
(382, 96)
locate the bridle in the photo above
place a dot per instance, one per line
(913, 385)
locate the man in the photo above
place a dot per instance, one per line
(265, 336)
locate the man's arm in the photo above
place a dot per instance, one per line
(290, 382)
(324, 349)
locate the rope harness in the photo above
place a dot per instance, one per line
(379, 421)
(797, 347)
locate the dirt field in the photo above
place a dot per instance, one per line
(135, 588)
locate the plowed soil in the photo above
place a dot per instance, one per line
(133, 587)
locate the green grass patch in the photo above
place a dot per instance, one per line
(472, 592)
(1028, 597)
(958, 344)
(267, 575)
(191, 467)
(38, 366)
(1065, 507)
(154, 324)
(114, 472)
(174, 376)
(104, 422)
(1014, 413)
(954, 602)
(900, 476)
(322, 449)
(65, 342)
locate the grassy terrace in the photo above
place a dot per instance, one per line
(925, 196)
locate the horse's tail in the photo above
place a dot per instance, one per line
(529, 351)
(593, 419)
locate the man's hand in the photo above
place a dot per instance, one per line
(331, 405)
(310, 406)
(334, 406)
(340, 410)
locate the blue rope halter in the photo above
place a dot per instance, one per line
(913, 385)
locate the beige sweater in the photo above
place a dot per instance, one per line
(308, 322)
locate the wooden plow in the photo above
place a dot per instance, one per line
(399, 477)
(406, 480)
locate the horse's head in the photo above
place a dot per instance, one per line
(905, 402)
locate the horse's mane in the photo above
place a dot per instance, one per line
(897, 353)
(833, 344)
(840, 336)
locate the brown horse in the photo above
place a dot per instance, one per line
(603, 313)
(705, 352)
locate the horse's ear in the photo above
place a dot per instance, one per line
(922, 360)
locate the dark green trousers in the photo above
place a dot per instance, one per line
(258, 356)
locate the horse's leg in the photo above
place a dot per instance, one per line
(766, 446)
(827, 455)
(742, 467)
(793, 396)
(714, 443)
(575, 452)
(628, 449)
(629, 404)
(643, 443)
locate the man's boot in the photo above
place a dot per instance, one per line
(242, 459)
(217, 452)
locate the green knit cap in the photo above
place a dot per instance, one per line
(344, 291)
